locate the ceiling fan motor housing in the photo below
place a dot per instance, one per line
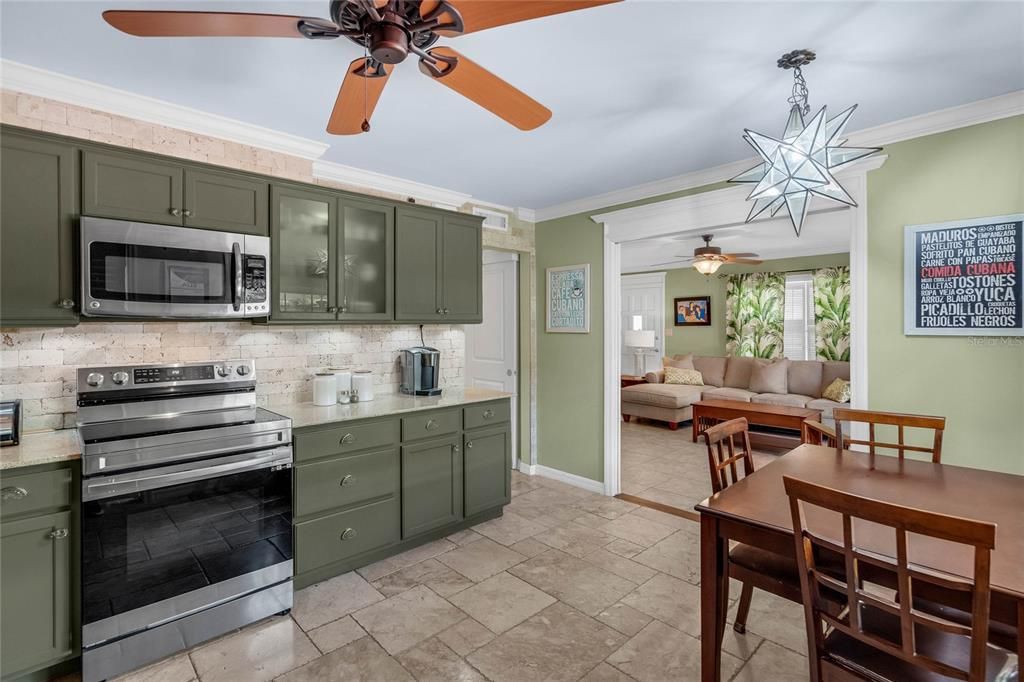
(389, 41)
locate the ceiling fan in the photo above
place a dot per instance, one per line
(707, 259)
(388, 31)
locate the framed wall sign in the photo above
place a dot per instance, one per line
(964, 278)
(568, 296)
(692, 311)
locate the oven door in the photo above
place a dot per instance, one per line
(161, 544)
(143, 270)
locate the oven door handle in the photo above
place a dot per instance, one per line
(236, 264)
(125, 484)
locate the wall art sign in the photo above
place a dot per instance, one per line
(693, 311)
(568, 295)
(963, 277)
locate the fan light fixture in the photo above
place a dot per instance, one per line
(800, 164)
(707, 267)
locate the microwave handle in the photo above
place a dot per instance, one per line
(236, 255)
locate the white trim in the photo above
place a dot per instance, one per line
(357, 177)
(612, 364)
(646, 278)
(858, 189)
(527, 214)
(528, 469)
(973, 113)
(30, 80)
(565, 477)
(496, 256)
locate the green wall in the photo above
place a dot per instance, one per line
(682, 282)
(977, 383)
(979, 387)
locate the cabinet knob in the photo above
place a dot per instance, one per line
(332, 309)
(348, 438)
(66, 304)
(469, 445)
(445, 311)
(349, 534)
(440, 311)
(187, 212)
(348, 480)
(344, 308)
(456, 449)
(58, 534)
(488, 414)
(12, 493)
(431, 425)
(175, 212)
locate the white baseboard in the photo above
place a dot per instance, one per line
(565, 477)
(528, 469)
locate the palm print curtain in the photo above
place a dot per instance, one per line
(832, 313)
(754, 314)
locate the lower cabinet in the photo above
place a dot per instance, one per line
(487, 465)
(431, 485)
(340, 536)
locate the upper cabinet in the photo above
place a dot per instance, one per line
(366, 260)
(136, 188)
(438, 262)
(38, 205)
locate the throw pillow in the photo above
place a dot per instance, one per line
(679, 361)
(838, 391)
(770, 377)
(688, 377)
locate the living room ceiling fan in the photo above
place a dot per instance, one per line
(707, 259)
(388, 31)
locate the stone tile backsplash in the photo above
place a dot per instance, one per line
(39, 365)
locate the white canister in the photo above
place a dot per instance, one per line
(362, 384)
(325, 390)
(343, 375)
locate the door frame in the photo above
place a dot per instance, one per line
(709, 210)
(652, 280)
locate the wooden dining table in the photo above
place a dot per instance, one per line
(755, 511)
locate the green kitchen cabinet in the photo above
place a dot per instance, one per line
(131, 187)
(366, 260)
(431, 485)
(303, 240)
(35, 580)
(38, 203)
(438, 265)
(226, 201)
(487, 464)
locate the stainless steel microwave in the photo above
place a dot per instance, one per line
(142, 270)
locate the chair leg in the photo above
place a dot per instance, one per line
(746, 595)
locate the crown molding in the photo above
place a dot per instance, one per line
(30, 80)
(527, 214)
(357, 177)
(943, 120)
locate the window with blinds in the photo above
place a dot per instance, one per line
(798, 331)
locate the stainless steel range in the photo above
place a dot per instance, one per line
(186, 510)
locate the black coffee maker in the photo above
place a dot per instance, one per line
(421, 371)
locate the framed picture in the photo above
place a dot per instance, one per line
(568, 296)
(693, 311)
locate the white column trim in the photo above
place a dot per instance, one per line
(612, 362)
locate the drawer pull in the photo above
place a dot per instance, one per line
(488, 414)
(432, 425)
(58, 534)
(469, 445)
(348, 438)
(349, 534)
(12, 493)
(348, 480)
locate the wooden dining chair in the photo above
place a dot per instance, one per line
(729, 455)
(816, 433)
(901, 421)
(880, 637)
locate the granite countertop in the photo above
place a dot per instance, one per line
(48, 447)
(308, 414)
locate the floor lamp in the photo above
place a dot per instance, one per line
(640, 340)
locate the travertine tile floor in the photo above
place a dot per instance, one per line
(567, 585)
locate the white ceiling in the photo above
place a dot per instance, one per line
(639, 90)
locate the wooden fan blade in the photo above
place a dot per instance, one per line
(357, 98)
(745, 261)
(478, 15)
(740, 255)
(476, 83)
(166, 24)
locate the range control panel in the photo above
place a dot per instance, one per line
(140, 376)
(153, 375)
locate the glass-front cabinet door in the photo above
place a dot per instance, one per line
(304, 240)
(365, 262)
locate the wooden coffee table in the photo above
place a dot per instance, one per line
(707, 413)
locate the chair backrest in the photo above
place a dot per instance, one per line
(900, 421)
(902, 644)
(816, 433)
(723, 453)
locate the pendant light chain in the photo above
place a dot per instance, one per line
(800, 94)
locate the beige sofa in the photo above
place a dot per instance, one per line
(729, 379)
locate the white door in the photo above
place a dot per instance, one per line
(492, 348)
(643, 308)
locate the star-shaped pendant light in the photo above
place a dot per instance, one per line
(800, 164)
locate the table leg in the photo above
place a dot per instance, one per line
(695, 422)
(713, 599)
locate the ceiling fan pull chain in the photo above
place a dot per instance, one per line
(366, 75)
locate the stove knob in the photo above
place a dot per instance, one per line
(242, 370)
(94, 379)
(120, 378)
(223, 370)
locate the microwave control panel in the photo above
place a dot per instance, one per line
(255, 281)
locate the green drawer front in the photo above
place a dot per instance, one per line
(487, 414)
(430, 425)
(29, 493)
(344, 438)
(319, 542)
(345, 481)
